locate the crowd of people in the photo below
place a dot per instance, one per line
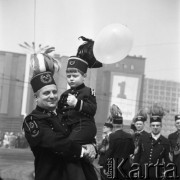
(61, 131)
(13, 140)
(151, 156)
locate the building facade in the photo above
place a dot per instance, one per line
(16, 96)
(12, 72)
(120, 83)
(167, 93)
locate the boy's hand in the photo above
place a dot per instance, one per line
(71, 100)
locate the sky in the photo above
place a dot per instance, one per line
(155, 25)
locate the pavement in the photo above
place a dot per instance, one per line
(17, 164)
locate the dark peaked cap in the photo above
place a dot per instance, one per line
(177, 117)
(140, 118)
(42, 79)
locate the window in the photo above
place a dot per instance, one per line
(132, 67)
(124, 66)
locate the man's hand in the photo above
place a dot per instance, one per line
(90, 152)
(71, 100)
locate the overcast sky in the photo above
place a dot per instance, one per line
(155, 25)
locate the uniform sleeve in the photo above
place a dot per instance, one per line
(111, 148)
(131, 146)
(87, 105)
(137, 154)
(167, 151)
(40, 134)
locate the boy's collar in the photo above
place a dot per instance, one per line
(78, 87)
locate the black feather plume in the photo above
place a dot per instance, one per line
(85, 52)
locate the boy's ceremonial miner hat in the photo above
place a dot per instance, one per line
(84, 58)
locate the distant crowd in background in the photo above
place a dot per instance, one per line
(13, 140)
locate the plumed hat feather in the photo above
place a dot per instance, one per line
(85, 52)
(115, 111)
(157, 109)
(115, 116)
(41, 61)
(157, 112)
(141, 115)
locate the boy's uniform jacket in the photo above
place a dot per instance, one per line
(85, 108)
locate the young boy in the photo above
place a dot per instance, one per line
(78, 104)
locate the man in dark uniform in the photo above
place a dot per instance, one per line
(121, 147)
(103, 146)
(153, 152)
(139, 122)
(174, 139)
(47, 135)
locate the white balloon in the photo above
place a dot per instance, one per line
(113, 43)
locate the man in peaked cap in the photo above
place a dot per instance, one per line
(174, 139)
(153, 150)
(47, 134)
(139, 123)
(103, 146)
(121, 147)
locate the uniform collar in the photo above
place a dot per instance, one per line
(44, 111)
(41, 109)
(140, 132)
(78, 87)
(155, 136)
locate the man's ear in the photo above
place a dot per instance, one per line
(85, 75)
(35, 96)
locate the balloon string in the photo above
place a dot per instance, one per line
(34, 25)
